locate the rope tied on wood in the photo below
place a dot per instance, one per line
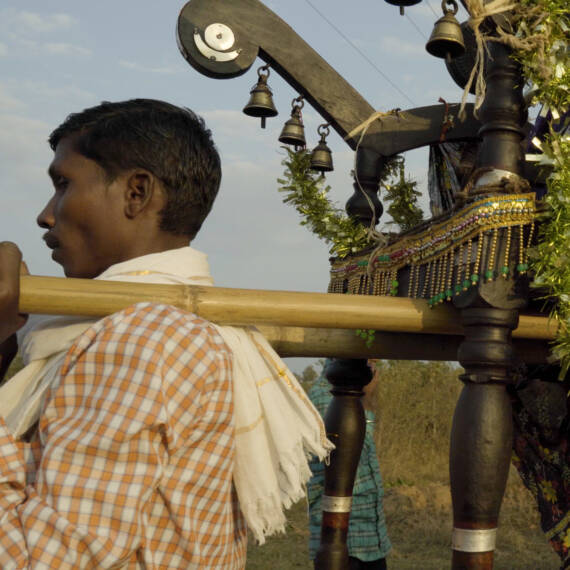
(479, 12)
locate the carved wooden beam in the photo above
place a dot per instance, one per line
(222, 39)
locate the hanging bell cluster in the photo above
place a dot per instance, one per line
(293, 132)
(260, 102)
(403, 4)
(321, 157)
(446, 40)
(261, 105)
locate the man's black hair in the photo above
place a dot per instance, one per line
(171, 142)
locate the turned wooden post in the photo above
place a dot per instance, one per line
(345, 424)
(481, 438)
(345, 420)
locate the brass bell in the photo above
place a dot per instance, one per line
(260, 103)
(403, 4)
(321, 157)
(293, 131)
(446, 39)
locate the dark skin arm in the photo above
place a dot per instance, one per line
(11, 266)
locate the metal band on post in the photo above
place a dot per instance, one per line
(468, 540)
(336, 504)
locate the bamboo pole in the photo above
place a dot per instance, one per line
(87, 297)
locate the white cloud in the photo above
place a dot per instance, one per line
(30, 90)
(42, 23)
(24, 157)
(31, 46)
(243, 168)
(8, 102)
(396, 45)
(62, 48)
(24, 30)
(23, 147)
(23, 44)
(165, 69)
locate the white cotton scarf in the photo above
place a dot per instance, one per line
(276, 425)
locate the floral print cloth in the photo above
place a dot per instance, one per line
(541, 452)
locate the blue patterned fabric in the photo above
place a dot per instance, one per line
(367, 535)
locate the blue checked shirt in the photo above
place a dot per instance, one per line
(367, 535)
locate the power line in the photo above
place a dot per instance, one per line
(417, 27)
(431, 8)
(359, 51)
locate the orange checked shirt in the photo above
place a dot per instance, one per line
(132, 466)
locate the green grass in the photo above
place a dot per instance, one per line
(415, 406)
(283, 552)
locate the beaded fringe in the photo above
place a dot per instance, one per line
(486, 240)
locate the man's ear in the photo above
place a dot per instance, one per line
(139, 191)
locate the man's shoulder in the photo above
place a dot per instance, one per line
(158, 315)
(154, 324)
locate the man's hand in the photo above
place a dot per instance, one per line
(11, 266)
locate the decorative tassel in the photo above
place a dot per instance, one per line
(445, 259)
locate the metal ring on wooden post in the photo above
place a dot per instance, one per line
(336, 504)
(468, 540)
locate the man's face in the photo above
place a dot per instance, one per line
(84, 217)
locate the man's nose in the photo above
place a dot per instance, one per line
(46, 217)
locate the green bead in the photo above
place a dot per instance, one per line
(449, 294)
(474, 278)
(505, 270)
(522, 267)
(489, 274)
(458, 289)
(395, 283)
(466, 284)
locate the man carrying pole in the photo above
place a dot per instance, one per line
(147, 439)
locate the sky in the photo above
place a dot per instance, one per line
(62, 56)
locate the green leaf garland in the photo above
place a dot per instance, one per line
(541, 47)
(306, 190)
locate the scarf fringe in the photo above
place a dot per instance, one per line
(265, 516)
